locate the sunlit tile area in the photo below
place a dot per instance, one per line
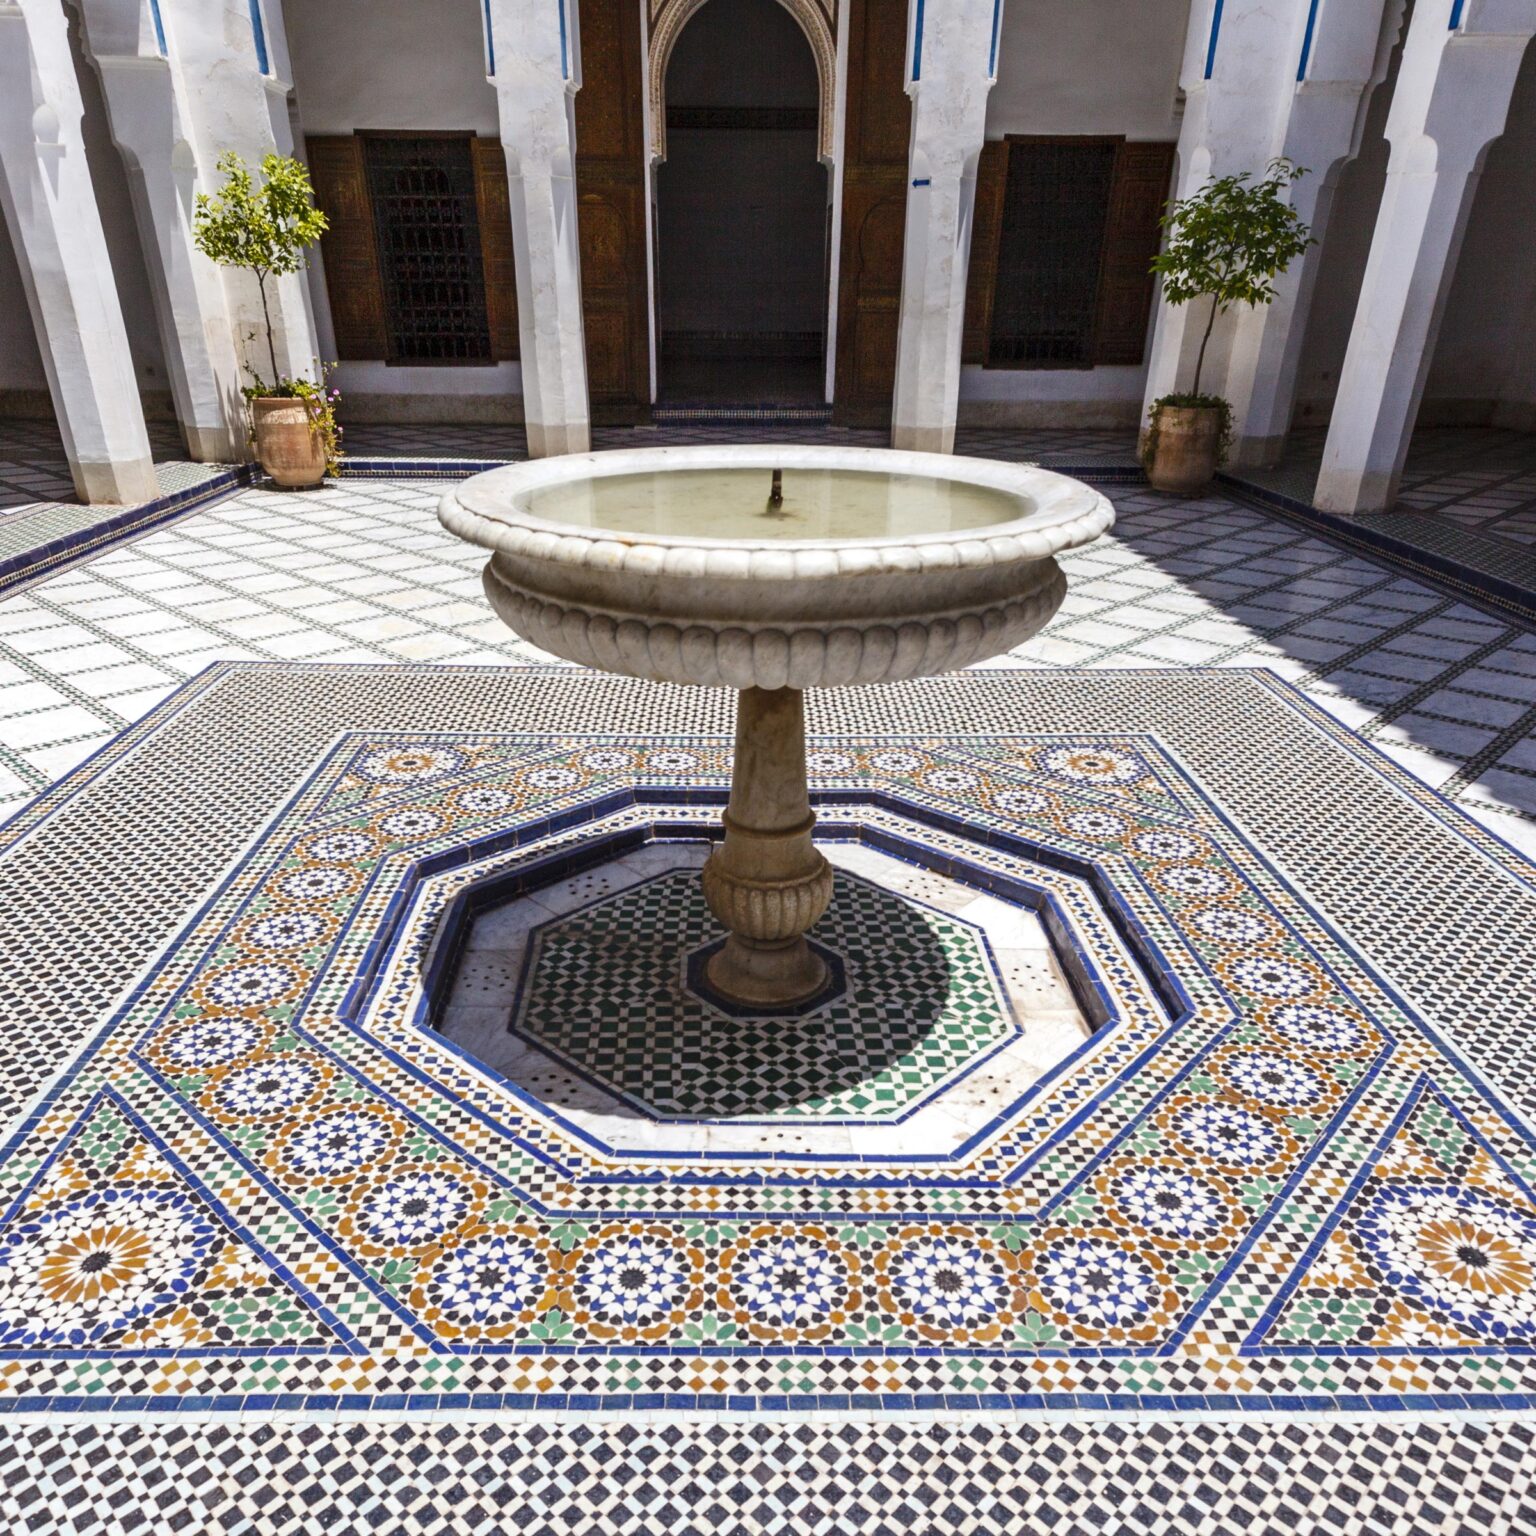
(360, 571)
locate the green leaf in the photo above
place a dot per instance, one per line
(1232, 239)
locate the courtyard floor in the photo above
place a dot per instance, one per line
(1187, 1189)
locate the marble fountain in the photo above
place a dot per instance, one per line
(771, 570)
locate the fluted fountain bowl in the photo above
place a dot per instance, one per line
(676, 564)
(772, 570)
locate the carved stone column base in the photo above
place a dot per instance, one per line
(767, 975)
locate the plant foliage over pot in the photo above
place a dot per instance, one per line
(1228, 242)
(266, 229)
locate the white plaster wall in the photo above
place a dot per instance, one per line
(115, 205)
(1486, 357)
(1484, 368)
(1070, 67)
(390, 64)
(1339, 277)
(21, 364)
(378, 392)
(1343, 258)
(1089, 66)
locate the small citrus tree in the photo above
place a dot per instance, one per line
(1229, 242)
(266, 229)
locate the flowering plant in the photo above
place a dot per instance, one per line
(319, 400)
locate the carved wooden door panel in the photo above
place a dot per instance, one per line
(610, 191)
(879, 123)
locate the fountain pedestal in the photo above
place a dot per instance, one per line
(766, 883)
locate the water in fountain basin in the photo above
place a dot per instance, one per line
(736, 504)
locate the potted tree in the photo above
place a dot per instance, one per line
(266, 229)
(1228, 243)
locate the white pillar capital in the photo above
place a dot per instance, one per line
(1266, 82)
(149, 123)
(232, 103)
(49, 204)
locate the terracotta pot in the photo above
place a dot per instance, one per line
(288, 446)
(1184, 459)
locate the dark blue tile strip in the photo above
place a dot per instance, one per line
(55, 555)
(1369, 538)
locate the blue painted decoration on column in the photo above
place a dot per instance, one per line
(565, 62)
(1210, 52)
(1457, 6)
(490, 39)
(997, 27)
(917, 44)
(259, 32)
(1306, 41)
(154, 16)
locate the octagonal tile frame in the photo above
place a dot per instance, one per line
(1012, 1033)
(644, 815)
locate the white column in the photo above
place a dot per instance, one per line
(952, 68)
(231, 102)
(1245, 105)
(1345, 55)
(1230, 81)
(536, 77)
(1449, 104)
(147, 114)
(50, 208)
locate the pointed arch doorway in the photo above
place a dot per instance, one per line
(742, 211)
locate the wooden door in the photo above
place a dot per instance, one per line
(610, 192)
(1106, 247)
(879, 125)
(348, 247)
(353, 277)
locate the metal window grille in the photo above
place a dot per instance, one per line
(1055, 207)
(428, 234)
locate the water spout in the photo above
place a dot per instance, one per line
(775, 507)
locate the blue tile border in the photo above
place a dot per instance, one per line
(314, 1406)
(1507, 598)
(58, 554)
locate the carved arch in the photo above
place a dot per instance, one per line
(669, 17)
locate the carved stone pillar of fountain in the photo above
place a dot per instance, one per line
(766, 883)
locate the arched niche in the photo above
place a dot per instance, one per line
(669, 17)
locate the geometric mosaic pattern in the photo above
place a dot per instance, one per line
(631, 1479)
(1431, 1244)
(113, 1246)
(171, 829)
(600, 991)
(1144, 1225)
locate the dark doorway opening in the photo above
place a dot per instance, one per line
(741, 215)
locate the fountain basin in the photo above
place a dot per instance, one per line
(878, 566)
(771, 570)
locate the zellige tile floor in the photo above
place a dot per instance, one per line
(361, 572)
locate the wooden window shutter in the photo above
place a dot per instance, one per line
(348, 248)
(986, 228)
(496, 256)
(1137, 194)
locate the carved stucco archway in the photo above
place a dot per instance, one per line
(669, 17)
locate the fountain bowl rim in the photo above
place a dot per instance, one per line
(1064, 512)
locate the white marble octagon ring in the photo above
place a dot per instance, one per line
(771, 569)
